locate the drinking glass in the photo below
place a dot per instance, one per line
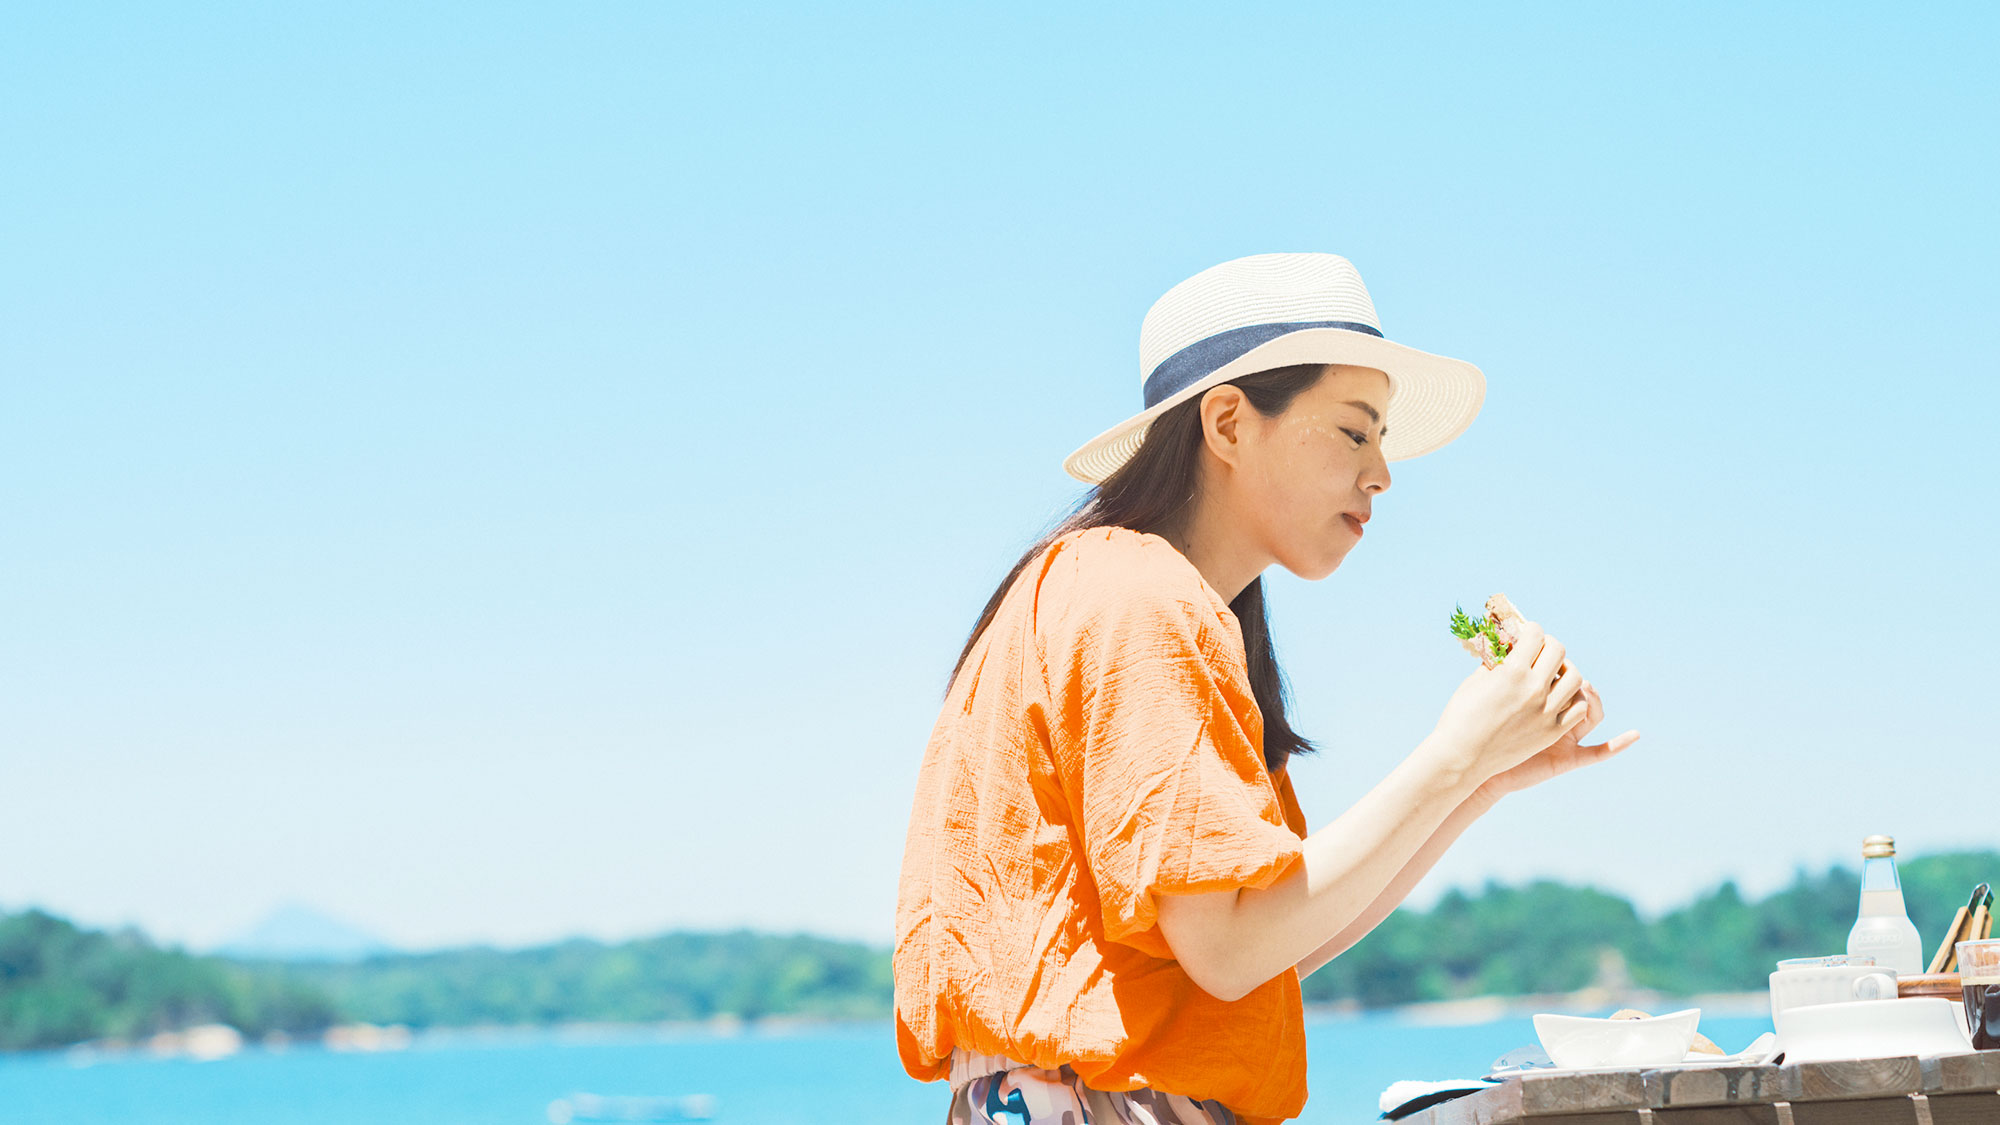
(1979, 973)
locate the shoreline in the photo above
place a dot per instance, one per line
(1590, 1001)
(212, 1042)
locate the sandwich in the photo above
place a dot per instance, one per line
(1702, 1044)
(1491, 637)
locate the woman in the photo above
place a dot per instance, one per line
(1109, 893)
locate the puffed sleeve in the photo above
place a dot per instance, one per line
(1159, 748)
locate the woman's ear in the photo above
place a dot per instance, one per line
(1222, 409)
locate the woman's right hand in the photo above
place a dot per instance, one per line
(1501, 717)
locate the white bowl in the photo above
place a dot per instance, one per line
(1871, 1029)
(1583, 1041)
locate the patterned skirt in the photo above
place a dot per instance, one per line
(996, 1090)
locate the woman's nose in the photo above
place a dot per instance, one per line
(1375, 478)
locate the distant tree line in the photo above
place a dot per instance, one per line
(60, 984)
(1550, 937)
(680, 976)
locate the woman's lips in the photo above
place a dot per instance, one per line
(1353, 524)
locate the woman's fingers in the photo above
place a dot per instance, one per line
(1550, 658)
(1528, 644)
(1568, 688)
(1604, 750)
(1596, 710)
(1575, 714)
(1621, 742)
(1587, 692)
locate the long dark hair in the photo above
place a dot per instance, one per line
(1152, 488)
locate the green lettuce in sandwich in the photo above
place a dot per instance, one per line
(1491, 637)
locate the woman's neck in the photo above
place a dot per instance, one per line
(1227, 560)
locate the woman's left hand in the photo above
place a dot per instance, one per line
(1566, 754)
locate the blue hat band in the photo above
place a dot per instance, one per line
(1205, 356)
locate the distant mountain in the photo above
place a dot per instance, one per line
(299, 933)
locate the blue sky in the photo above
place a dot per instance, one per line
(495, 472)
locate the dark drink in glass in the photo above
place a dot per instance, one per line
(1982, 1012)
(1979, 975)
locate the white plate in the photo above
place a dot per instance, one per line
(1757, 1053)
(1867, 1029)
(1599, 1043)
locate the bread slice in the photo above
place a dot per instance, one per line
(1507, 622)
(1702, 1044)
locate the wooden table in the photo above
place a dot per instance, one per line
(1947, 1090)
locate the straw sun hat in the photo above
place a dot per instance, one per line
(1275, 310)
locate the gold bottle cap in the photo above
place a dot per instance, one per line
(1876, 847)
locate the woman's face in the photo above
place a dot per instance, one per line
(1307, 479)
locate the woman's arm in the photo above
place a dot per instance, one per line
(1392, 896)
(1357, 869)
(1230, 942)
(1567, 754)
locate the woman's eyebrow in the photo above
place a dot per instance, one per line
(1372, 415)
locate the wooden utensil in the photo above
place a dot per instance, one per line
(1947, 985)
(1948, 948)
(1972, 919)
(1977, 926)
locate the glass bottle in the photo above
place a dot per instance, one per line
(1883, 930)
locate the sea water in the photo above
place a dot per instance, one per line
(799, 1076)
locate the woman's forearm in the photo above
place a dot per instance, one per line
(1392, 896)
(1348, 866)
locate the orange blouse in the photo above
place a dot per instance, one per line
(1100, 747)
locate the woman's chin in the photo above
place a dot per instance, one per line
(1316, 567)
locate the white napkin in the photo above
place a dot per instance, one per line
(1402, 1093)
(1760, 1049)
